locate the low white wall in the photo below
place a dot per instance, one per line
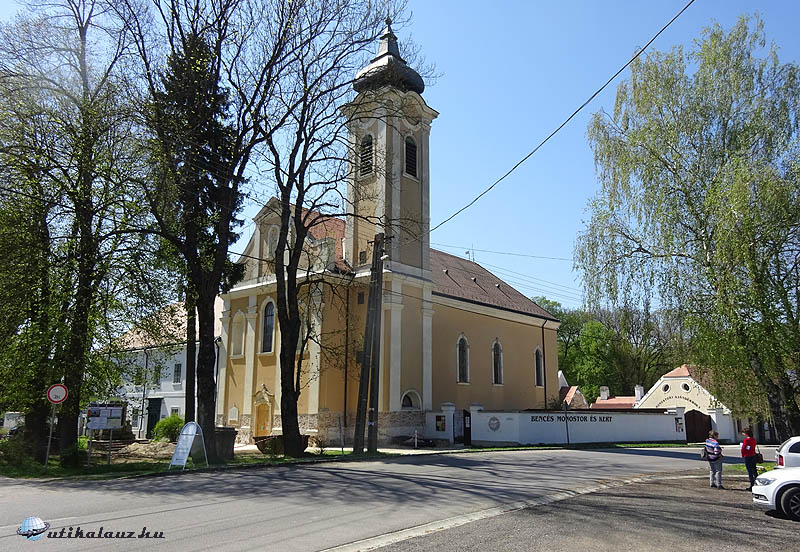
(584, 426)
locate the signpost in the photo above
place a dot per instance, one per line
(103, 416)
(56, 394)
(187, 445)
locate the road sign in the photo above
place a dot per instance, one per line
(57, 393)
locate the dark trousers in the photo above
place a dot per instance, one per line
(752, 472)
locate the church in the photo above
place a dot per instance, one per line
(453, 335)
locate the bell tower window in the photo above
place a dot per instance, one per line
(365, 156)
(411, 157)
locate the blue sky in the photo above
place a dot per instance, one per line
(511, 73)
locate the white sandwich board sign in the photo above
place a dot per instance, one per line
(189, 441)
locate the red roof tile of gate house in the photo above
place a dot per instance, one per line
(614, 403)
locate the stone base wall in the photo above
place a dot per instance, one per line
(325, 427)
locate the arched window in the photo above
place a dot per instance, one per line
(497, 363)
(365, 156)
(463, 360)
(269, 327)
(411, 157)
(538, 368)
(237, 335)
(410, 400)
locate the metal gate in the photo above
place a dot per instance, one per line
(697, 426)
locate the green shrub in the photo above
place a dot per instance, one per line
(168, 429)
(72, 457)
(15, 452)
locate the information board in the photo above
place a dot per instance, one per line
(104, 417)
(190, 441)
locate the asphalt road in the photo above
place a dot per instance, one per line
(675, 513)
(311, 508)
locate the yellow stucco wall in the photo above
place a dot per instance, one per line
(518, 341)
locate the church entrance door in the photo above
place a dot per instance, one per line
(262, 420)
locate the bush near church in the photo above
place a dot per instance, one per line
(168, 429)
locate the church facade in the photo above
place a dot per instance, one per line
(452, 333)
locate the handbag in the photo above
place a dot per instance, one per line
(759, 457)
(704, 453)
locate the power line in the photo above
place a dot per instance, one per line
(463, 248)
(568, 119)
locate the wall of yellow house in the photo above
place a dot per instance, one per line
(518, 341)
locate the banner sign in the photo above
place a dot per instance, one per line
(190, 441)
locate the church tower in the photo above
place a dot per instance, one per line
(389, 127)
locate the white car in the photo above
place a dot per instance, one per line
(787, 455)
(779, 490)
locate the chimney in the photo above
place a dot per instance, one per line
(639, 392)
(603, 393)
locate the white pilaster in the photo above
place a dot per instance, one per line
(395, 301)
(225, 319)
(314, 355)
(250, 355)
(425, 183)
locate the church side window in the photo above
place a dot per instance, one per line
(538, 366)
(237, 335)
(497, 363)
(269, 327)
(411, 157)
(463, 360)
(365, 156)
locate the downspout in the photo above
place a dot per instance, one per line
(544, 365)
(217, 341)
(144, 390)
(346, 350)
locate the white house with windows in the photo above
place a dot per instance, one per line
(155, 373)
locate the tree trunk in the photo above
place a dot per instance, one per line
(191, 355)
(292, 441)
(206, 386)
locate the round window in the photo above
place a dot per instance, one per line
(685, 387)
(665, 388)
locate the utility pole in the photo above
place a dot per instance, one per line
(370, 334)
(375, 350)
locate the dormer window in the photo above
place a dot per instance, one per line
(365, 156)
(411, 157)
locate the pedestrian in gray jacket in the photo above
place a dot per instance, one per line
(714, 456)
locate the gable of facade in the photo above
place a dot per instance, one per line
(679, 388)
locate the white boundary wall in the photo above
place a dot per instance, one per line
(584, 426)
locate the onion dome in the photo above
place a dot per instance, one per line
(388, 68)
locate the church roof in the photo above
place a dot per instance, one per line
(466, 280)
(388, 68)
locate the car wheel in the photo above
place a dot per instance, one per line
(790, 503)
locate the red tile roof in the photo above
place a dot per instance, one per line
(681, 372)
(614, 402)
(463, 279)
